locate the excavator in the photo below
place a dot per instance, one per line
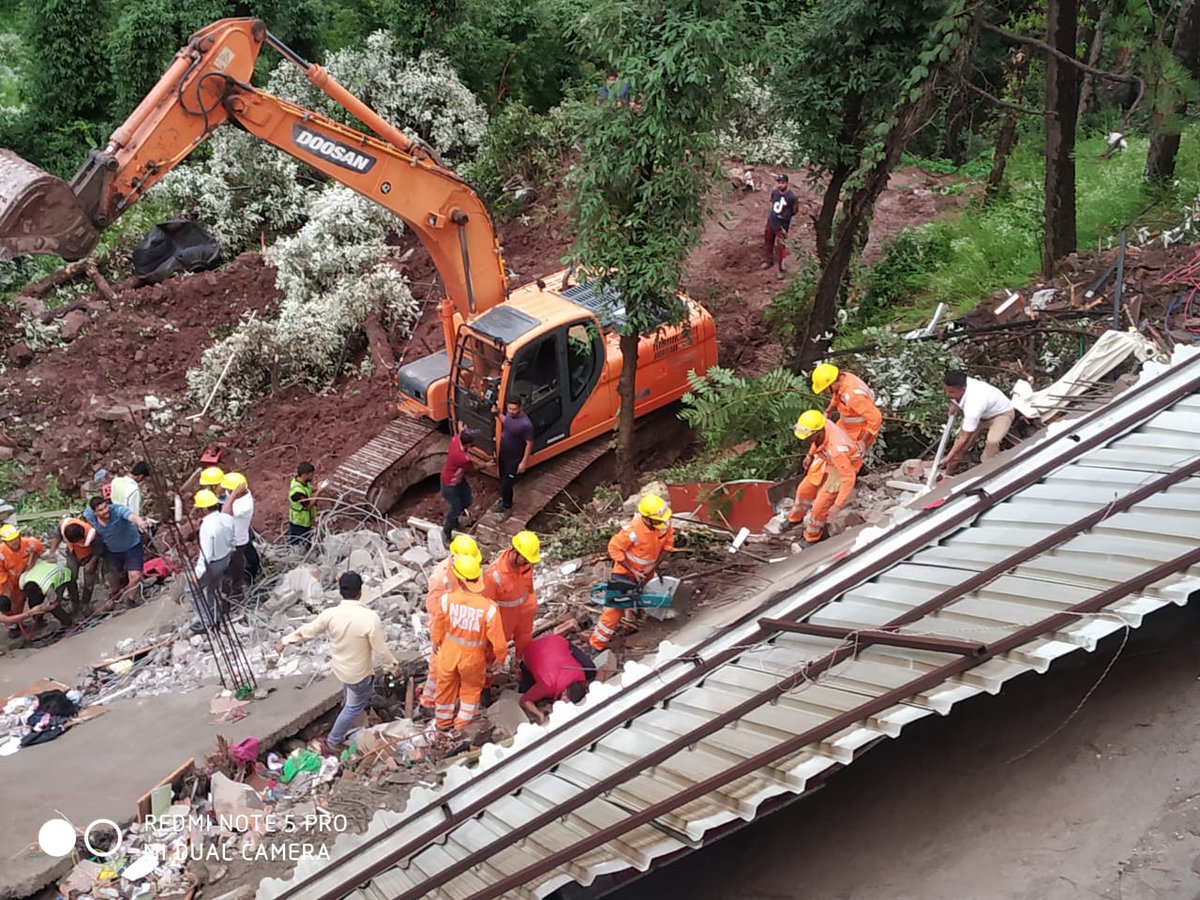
(554, 343)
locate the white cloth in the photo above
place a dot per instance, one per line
(243, 512)
(216, 540)
(128, 493)
(982, 401)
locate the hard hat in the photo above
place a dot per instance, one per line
(810, 422)
(233, 480)
(468, 567)
(9, 532)
(464, 545)
(211, 477)
(527, 544)
(823, 376)
(205, 499)
(654, 507)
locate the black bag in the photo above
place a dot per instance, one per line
(174, 246)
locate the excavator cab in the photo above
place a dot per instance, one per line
(40, 213)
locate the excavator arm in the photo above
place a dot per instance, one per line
(208, 84)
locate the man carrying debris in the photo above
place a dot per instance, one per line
(216, 549)
(355, 637)
(127, 489)
(465, 625)
(635, 551)
(980, 404)
(456, 490)
(516, 446)
(121, 533)
(784, 205)
(302, 501)
(509, 584)
(442, 580)
(239, 505)
(853, 402)
(553, 667)
(84, 550)
(17, 555)
(829, 481)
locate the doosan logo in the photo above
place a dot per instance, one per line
(335, 151)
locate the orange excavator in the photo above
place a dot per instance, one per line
(554, 342)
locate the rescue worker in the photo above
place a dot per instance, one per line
(84, 551)
(17, 554)
(981, 404)
(211, 478)
(121, 532)
(853, 402)
(302, 499)
(830, 478)
(465, 624)
(41, 585)
(441, 581)
(212, 562)
(635, 551)
(509, 583)
(127, 489)
(553, 668)
(239, 505)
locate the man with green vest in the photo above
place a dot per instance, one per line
(302, 501)
(40, 585)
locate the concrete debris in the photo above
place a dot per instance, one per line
(417, 556)
(506, 714)
(400, 539)
(234, 801)
(436, 542)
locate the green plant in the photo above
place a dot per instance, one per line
(904, 268)
(51, 498)
(787, 313)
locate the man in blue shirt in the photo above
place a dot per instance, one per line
(121, 532)
(784, 205)
(516, 446)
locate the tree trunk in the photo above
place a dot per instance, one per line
(626, 383)
(954, 148)
(1062, 105)
(1164, 139)
(1095, 46)
(823, 223)
(1006, 139)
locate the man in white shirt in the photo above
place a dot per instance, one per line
(981, 405)
(356, 637)
(239, 503)
(216, 547)
(127, 489)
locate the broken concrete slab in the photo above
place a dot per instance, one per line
(435, 541)
(506, 713)
(417, 556)
(400, 539)
(301, 584)
(361, 561)
(233, 801)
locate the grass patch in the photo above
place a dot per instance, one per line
(49, 499)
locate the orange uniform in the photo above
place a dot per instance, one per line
(13, 564)
(466, 624)
(858, 415)
(829, 480)
(441, 580)
(81, 550)
(635, 551)
(512, 591)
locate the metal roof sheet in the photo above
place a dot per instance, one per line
(860, 691)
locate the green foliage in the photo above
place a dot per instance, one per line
(904, 268)
(585, 529)
(787, 313)
(49, 499)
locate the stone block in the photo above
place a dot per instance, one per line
(436, 543)
(400, 539)
(417, 556)
(361, 561)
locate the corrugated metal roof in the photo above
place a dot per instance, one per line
(845, 706)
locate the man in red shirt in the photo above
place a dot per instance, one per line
(552, 668)
(455, 489)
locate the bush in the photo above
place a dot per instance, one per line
(905, 267)
(787, 313)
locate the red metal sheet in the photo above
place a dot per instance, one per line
(730, 504)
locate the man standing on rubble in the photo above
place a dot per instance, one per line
(829, 480)
(784, 204)
(442, 580)
(635, 551)
(302, 501)
(553, 667)
(509, 584)
(121, 533)
(127, 489)
(84, 551)
(355, 638)
(980, 404)
(216, 549)
(456, 490)
(465, 625)
(516, 446)
(853, 402)
(239, 505)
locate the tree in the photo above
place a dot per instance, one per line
(1062, 107)
(1164, 141)
(646, 165)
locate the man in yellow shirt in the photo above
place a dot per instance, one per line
(356, 635)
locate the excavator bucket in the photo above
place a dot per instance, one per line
(40, 213)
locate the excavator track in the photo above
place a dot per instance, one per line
(403, 454)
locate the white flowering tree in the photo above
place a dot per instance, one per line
(756, 129)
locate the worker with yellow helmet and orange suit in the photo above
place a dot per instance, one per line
(509, 584)
(442, 580)
(829, 480)
(853, 402)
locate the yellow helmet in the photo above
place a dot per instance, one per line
(823, 376)
(464, 545)
(810, 422)
(527, 544)
(654, 508)
(233, 480)
(9, 532)
(468, 567)
(205, 499)
(211, 477)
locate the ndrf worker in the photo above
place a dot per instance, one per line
(441, 581)
(84, 550)
(853, 402)
(466, 624)
(635, 551)
(829, 481)
(509, 584)
(17, 555)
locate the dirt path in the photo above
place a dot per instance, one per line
(1108, 808)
